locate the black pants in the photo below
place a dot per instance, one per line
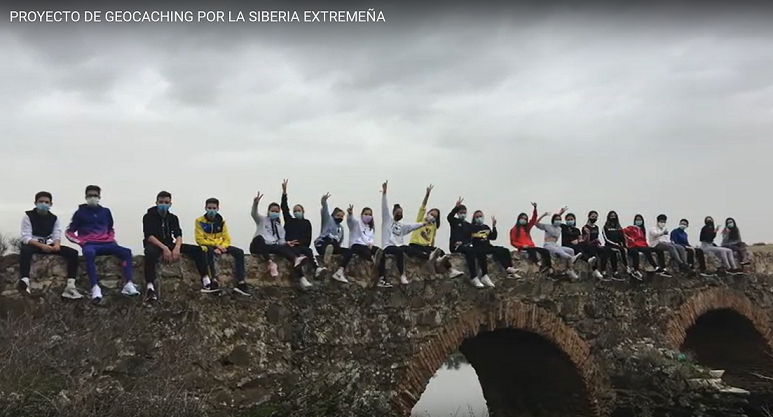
(399, 254)
(360, 250)
(153, 255)
(69, 254)
(235, 252)
(258, 246)
(305, 251)
(616, 252)
(500, 254)
(320, 246)
(693, 253)
(647, 251)
(469, 256)
(420, 251)
(544, 255)
(590, 250)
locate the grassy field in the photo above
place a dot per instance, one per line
(761, 248)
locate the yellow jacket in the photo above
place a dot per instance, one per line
(424, 236)
(212, 232)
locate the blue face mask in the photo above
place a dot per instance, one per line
(478, 220)
(556, 222)
(163, 207)
(298, 214)
(682, 226)
(461, 216)
(570, 223)
(522, 222)
(273, 215)
(731, 225)
(42, 206)
(638, 222)
(212, 213)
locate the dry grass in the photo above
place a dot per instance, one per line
(760, 248)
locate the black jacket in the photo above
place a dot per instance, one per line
(295, 229)
(482, 234)
(165, 228)
(708, 234)
(460, 230)
(569, 234)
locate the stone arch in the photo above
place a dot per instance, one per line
(515, 315)
(724, 329)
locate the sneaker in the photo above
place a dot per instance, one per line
(96, 294)
(434, 255)
(453, 273)
(210, 288)
(299, 260)
(70, 291)
(596, 274)
(637, 275)
(487, 281)
(320, 270)
(736, 271)
(339, 276)
(576, 257)
(150, 295)
(404, 280)
(592, 261)
(512, 272)
(304, 283)
(663, 272)
(616, 277)
(573, 275)
(241, 288)
(24, 285)
(273, 269)
(476, 283)
(328, 256)
(383, 283)
(746, 263)
(130, 289)
(705, 273)
(377, 256)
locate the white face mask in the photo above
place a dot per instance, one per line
(661, 225)
(92, 201)
(430, 218)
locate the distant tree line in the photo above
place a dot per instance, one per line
(9, 244)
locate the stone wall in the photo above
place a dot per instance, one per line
(359, 350)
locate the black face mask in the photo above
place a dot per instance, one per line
(592, 221)
(398, 217)
(337, 220)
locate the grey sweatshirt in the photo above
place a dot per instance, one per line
(330, 229)
(550, 231)
(271, 230)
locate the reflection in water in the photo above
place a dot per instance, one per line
(454, 391)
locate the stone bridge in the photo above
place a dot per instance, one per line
(539, 347)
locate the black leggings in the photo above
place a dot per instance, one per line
(470, 256)
(500, 254)
(69, 254)
(647, 251)
(420, 251)
(399, 254)
(360, 250)
(320, 246)
(544, 254)
(305, 251)
(616, 251)
(258, 246)
(693, 253)
(589, 250)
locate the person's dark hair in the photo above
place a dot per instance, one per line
(706, 220)
(372, 223)
(212, 200)
(555, 217)
(734, 233)
(437, 218)
(476, 212)
(336, 211)
(592, 212)
(662, 217)
(462, 207)
(93, 188)
(395, 207)
(43, 194)
(568, 215)
(610, 222)
(518, 226)
(272, 205)
(164, 194)
(685, 221)
(639, 217)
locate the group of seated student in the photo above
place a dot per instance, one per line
(602, 248)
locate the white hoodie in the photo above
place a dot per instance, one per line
(359, 232)
(392, 232)
(657, 235)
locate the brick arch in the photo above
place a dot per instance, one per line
(430, 356)
(711, 300)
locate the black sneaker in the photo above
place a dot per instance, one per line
(210, 288)
(663, 272)
(384, 284)
(638, 275)
(616, 277)
(737, 271)
(150, 295)
(241, 288)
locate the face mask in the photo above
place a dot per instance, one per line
(592, 220)
(613, 218)
(273, 215)
(338, 220)
(366, 218)
(556, 223)
(212, 213)
(661, 225)
(43, 206)
(461, 216)
(163, 207)
(710, 222)
(731, 225)
(638, 222)
(430, 219)
(398, 217)
(478, 220)
(298, 214)
(522, 222)
(570, 223)
(92, 201)
(682, 226)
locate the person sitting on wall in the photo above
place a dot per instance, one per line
(91, 227)
(163, 240)
(393, 233)
(679, 237)
(659, 238)
(731, 239)
(298, 232)
(460, 240)
(636, 237)
(212, 236)
(41, 234)
(331, 233)
(520, 238)
(481, 236)
(725, 255)
(362, 242)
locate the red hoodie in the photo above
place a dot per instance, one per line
(635, 237)
(523, 240)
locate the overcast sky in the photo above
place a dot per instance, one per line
(659, 112)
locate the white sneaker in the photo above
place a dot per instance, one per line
(273, 269)
(597, 274)
(383, 283)
(592, 261)
(70, 291)
(305, 283)
(453, 273)
(319, 271)
(404, 280)
(572, 274)
(339, 276)
(299, 259)
(476, 283)
(576, 257)
(24, 285)
(512, 272)
(328, 256)
(96, 293)
(487, 281)
(434, 255)
(130, 289)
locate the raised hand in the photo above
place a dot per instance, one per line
(350, 209)
(384, 186)
(257, 197)
(546, 214)
(459, 201)
(284, 186)
(534, 205)
(429, 189)
(493, 221)
(563, 210)
(325, 197)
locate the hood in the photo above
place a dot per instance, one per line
(218, 218)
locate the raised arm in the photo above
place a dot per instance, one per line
(452, 220)
(533, 219)
(254, 212)
(386, 215)
(426, 195)
(538, 221)
(285, 207)
(350, 220)
(324, 212)
(493, 235)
